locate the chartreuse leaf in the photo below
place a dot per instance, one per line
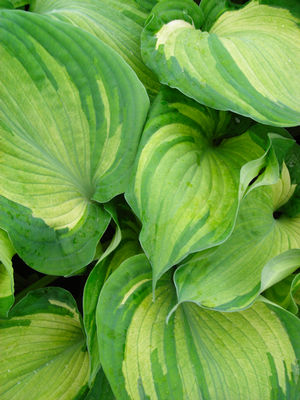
(232, 275)
(245, 60)
(188, 180)
(6, 274)
(42, 349)
(286, 293)
(199, 354)
(128, 247)
(117, 23)
(71, 113)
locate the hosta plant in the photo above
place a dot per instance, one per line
(149, 200)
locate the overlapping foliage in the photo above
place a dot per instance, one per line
(143, 152)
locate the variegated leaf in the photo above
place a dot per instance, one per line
(42, 349)
(258, 254)
(243, 59)
(67, 139)
(189, 178)
(117, 23)
(198, 354)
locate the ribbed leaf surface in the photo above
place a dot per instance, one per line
(199, 354)
(42, 349)
(129, 246)
(188, 180)
(246, 60)
(117, 23)
(67, 139)
(229, 277)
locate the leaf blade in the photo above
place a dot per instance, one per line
(199, 353)
(64, 135)
(39, 341)
(238, 65)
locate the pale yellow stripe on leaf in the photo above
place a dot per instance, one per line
(275, 338)
(167, 35)
(59, 143)
(110, 151)
(73, 310)
(70, 215)
(137, 363)
(184, 364)
(132, 289)
(202, 118)
(165, 134)
(283, 189)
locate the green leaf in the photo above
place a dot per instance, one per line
(293, 163)
(19, 3)
(101, 389)
(128, 247)
(245, 60)
(6, 274)
(185, 168)
(279, 267)
(5, 4)
(292, 207)
(199, 354)
(147, 4)
(42, 348)
(257, 255)
(68, 141)
(117, 23)
(214, 9)
(286, 293)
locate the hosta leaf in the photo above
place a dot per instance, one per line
(286, 293)
(199, 354)
(246, 60)
(19, 3)
(279, 267)
(231, 276)
(67, 139)
(42, 349)
(5, 4)
(147, 4)
(101, 389)
(292, 207)
(188, 181)
(129, 246)
(6, 274)
(117, 23)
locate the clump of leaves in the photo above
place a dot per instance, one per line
(149, 199)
